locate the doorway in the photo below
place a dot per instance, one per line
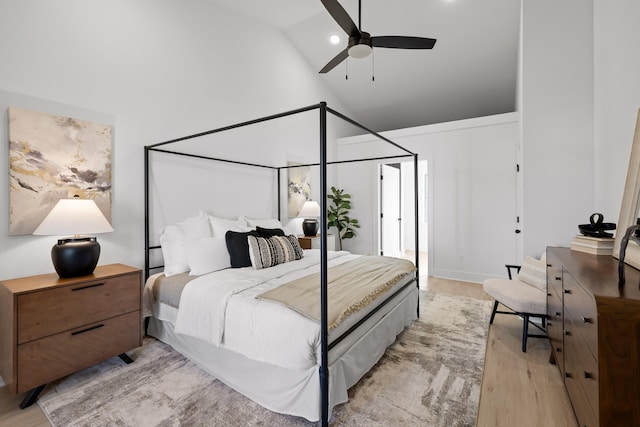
(391, 229)
(397, 212)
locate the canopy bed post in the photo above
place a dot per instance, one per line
(146, 213)
(417, 221)
(324, 363)
(278, 191)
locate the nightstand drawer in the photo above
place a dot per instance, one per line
(48, 312)
(53, 357)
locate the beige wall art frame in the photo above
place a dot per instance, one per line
(630, 203)
(51, 158)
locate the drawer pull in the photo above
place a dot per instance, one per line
(87, 287)
(87, 330)
(548, 294)
(587, 320)
(565, 332)
(559, 349)
(588, 375)
(568, 375)
(567, 291)
(558, 313)
(558, 278)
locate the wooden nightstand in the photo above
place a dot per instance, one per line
(52, 327)
(313, 242)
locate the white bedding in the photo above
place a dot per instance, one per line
(220, 308)
(270, 353)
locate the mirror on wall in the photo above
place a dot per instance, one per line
(630, 198)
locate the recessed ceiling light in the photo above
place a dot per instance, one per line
(334, 39)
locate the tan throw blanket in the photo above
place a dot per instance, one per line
(351, 286)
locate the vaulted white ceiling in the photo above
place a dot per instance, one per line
(471, 71)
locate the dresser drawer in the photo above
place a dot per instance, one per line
(584, 366)
(581, 406)
(50, 358)
(580, 308)
(554, 276)
(555, 328)
(51, 311)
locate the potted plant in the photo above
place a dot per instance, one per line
(338, 215)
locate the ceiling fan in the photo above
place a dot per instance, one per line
(360, 42)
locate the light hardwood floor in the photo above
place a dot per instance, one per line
(518, 389)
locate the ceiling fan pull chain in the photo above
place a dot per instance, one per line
(346, 70)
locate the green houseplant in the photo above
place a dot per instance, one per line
(338, 215)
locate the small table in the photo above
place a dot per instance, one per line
(313, 242)
(51, 327)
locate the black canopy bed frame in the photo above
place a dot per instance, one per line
(323, 110)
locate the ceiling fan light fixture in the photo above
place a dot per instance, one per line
(360, 50)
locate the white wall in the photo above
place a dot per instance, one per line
(617, 98)
(159, 69)
(472, 173)
(557, 121)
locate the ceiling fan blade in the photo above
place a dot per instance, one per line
(402, 42)
(341, 17)
(335, 61)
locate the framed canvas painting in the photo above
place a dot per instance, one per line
(299, 188)
(53, 157)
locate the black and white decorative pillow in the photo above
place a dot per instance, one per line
(296, 246)
(269, 251)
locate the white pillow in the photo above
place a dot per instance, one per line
(264, 222)
(172, 243)
(220, 226)
(207, 254)
(534, 272)
(174, 238)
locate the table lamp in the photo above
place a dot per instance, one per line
(78, 255)
(311, 211)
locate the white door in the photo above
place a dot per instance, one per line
(390, 210)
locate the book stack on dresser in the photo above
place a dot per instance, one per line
(592, 245)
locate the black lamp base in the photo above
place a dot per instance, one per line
(75, 256)
(310, 227)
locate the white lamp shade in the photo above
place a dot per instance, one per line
(74, 216)
(310, 209)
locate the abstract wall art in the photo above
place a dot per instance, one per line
(299, 185)
(51, 158)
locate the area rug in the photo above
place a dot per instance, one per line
(431, 376)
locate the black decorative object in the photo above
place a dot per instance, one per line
(630, 234)
(75, 256)
(310, 227)
(596, 226)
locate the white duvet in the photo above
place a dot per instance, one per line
(221, 308)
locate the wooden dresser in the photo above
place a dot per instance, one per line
(594, 329)
(51, 327)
